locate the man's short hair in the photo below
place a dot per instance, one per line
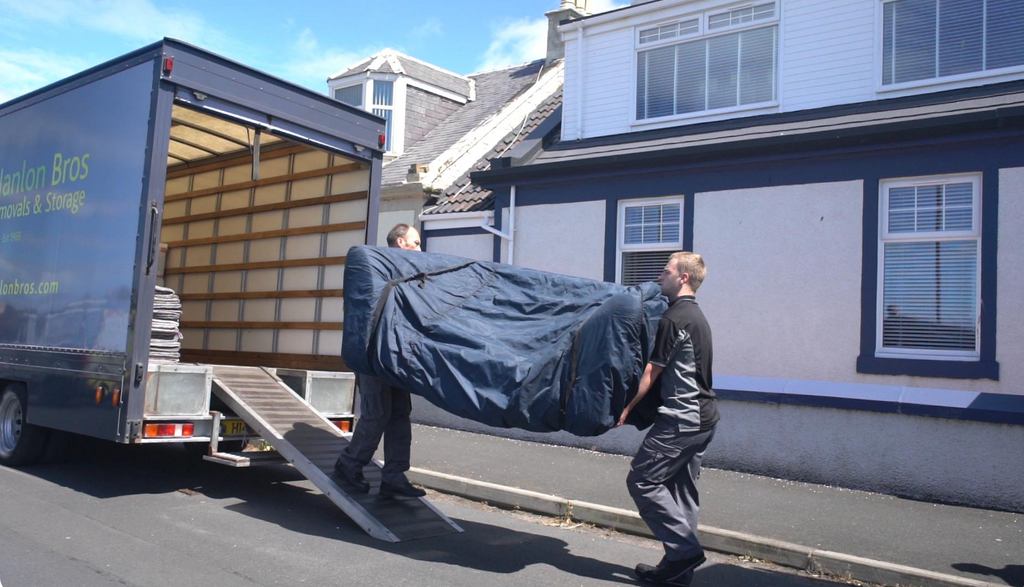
(399, 231)
(692, 263)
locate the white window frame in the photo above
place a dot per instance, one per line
(370, 107)
(704, 33)
(951, 81)
(620, 229)
(651, 44)
(884, 236)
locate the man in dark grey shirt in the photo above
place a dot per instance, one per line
(662, 477)
(385, 413)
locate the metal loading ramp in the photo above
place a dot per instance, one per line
(311, 443)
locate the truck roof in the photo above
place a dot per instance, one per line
(199, 74)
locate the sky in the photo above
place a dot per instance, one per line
(302, 41)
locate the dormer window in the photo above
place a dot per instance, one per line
(399, 89)
(351, 95)
(716, 61)
(383, 103)
(378, 93)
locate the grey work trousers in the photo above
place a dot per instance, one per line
(663, 483)
(385, 413)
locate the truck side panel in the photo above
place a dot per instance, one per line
(70, 187)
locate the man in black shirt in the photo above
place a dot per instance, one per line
(662, 477)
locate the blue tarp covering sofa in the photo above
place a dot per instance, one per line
(498, 344)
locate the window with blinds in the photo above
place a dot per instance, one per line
(383, 100)
(723, 70)
(930, 269)
(928, 39)
(649, 232)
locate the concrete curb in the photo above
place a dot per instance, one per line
(715, 539)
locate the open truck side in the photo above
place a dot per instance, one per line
(257, 188)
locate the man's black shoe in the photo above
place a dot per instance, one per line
(679, 573)
(645, 572)
(401, 488)
(352, 475)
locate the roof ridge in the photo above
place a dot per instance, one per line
(432, 66)
(497, 69)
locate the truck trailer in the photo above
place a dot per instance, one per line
(240, 192)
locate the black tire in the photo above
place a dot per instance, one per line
(21, 443)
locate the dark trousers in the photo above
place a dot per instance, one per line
(663, 483)
(385, 413)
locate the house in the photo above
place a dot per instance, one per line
(853, 173)
(439, 124)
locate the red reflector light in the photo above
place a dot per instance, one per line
(382, 140)
(343, 425)
(168, 430)
(168, 65)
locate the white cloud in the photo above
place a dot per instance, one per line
(429, 27)
(134, 21)
(131, 19)
(596, 6)
(515, 42)
(24, 71)
(309, 64)
(526, 39)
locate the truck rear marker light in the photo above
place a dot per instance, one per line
(382, 140)
(168, 65)
(343, 425)
(168, 430)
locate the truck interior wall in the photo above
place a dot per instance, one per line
(259, 265)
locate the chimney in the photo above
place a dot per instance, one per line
(569, 9)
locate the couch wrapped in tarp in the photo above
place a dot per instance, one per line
(498, 344)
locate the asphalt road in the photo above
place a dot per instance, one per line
(154, 516)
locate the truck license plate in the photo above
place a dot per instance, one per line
(232, 428)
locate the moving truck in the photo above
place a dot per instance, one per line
(173, 166)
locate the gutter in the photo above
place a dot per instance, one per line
(867, 136)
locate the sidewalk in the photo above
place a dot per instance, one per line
(976, 544)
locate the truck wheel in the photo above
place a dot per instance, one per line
(21, 443)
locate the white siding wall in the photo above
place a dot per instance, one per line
(570, 92)
(827, 52)
(607, 84)
(561, 238)
(828, 55)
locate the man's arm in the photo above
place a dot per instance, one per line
(651, 374)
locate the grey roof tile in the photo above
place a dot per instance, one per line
(494, 89)
(465, 196)
(434, 76)
(413, 68)
(357, 68)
